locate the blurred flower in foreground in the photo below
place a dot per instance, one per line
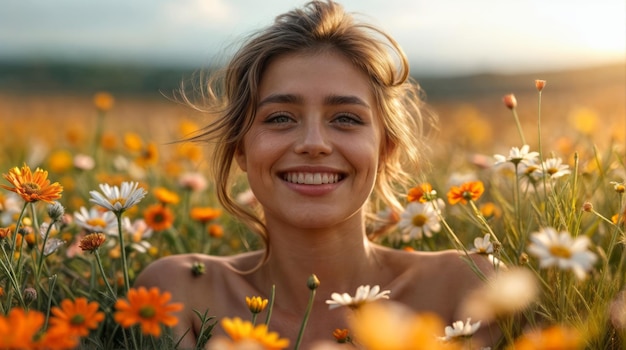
(508, 292)
(103, 101)
(418, 220)
(364, 294)
(195, 182)
(460, 330)
(467, 191)
(258, 337)
(150, 308)
(510, 101)
(32, 186)
(517, 155)
(540, 84)
(552, 338)
(558, 248)
(393, 326)
(79, 316)
(118, 199)
(204, 214)
(165, 196)
(84, 162)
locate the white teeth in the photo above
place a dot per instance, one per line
(311, 178)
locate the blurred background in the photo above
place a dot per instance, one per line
(465, 54)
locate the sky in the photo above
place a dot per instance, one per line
(443, 37)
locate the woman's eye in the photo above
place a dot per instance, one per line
(278, 119)
(348, 119)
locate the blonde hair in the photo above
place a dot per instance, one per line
(232, 95)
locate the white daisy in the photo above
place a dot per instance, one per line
(560, 249)
(483, 245)
(118, 199)
(554, 168)
(418, 220)
(364, 294)
(460, 330)
(517, 156)
(94, 220)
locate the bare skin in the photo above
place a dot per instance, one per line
(317, 116)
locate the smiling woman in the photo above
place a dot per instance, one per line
(319, 112)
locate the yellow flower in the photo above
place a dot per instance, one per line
(148, 155)
(60, 161)
(256, 304)
(32, 186)
(553, 338)
(240, 331)
(584, 120)
(204, 214)
(103, 101)
(133, 142)
(165, 196)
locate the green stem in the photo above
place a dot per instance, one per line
(104, 276)
(519, 126)
(271, 305)
(123, 251)
(305, 319)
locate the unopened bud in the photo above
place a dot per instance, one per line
(313, 282)
(523, 259)
(540, 84)
(197, 269)
(56, 211)
(510, 101)
(30, 295)
(587, 206)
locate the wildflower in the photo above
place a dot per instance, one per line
(95, 220)
(393, 326)
(256, 304)
(80, 315)
(118, 199)
(341, 335)
(56, 211)
(558, 248)
(32, 186)
(585, 120)
(92, 242)
(158, 217)
(52, 244)
(165, 196)
(467, 191)
(517, 156)
(588, 207)
(30, 295)
(460, 330)
(247, 198)
(5, 232)
(554, 168)
(490, 210)
(84, 162)
(508, 292)
(19, 328)
(241, 331)
(483, 245)
(540, 84)
(204, 214)
(417, 220)
(148, 155)
(216, 231)
(619, 187)
(195, 182)
(510, 101)
(103, 101)
(60, 161)
(554, 337)
(364, 294)
(420, 193)
(149, 308)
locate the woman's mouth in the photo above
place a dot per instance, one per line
(312, 178)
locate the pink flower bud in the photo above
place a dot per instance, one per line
(540, 84)
(509, 101)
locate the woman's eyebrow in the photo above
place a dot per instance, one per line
(333, 100)
(281, 98)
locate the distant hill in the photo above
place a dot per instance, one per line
(20, 77)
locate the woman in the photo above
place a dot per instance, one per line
(318, 110)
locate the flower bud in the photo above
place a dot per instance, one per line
(510, 101)
(539, 84)
(587, 206)
(55, 211)
(197, 269)
(30, 295)
(313, 282)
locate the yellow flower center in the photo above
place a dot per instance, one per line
(96, 222)
(419, 220)
(560, 252)
(77, 319)
(122, 201)
(147, 312)
(552, 171)
(31, 187)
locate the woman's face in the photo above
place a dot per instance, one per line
(312, 153)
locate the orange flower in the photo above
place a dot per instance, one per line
(555, 337)
(540, 84)
(416, 194)
(103, 101)
(205, 214)
(31, 186)
(166, 196)
(468, 191)
(18, 328)
(5, 232)
(92, 241)
(240, 330)
(149, 308)
(341, 335)
(158, 217)
(216, 231)
(148, 155)
(80, 316)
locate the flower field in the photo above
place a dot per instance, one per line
(531, 174)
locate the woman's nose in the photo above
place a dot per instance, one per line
(314, 139)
